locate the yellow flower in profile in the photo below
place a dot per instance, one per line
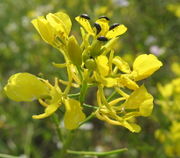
(101, 27)
(54, 28)
(25, 87)
(144, 66)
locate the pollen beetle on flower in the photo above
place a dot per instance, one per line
(85, 16)
(105, 17)
(102, 38)
(98, 27)
(113, 26)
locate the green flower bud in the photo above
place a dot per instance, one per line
(90, 64)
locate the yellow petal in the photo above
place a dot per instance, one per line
(73, 115)
(107, 81)
(117, 31)
(121, 64)
(145, 65)
(133, 127)
(45, 29)
(56, 95)
(124, 80)
(140, 99)
(56, 23)
(74, 51)
(102, 65)
(66, 20)
(104, 26)
(49, 110)
(85, 24)
(25, 87)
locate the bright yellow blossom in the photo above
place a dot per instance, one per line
(54, 29)
(27, 87)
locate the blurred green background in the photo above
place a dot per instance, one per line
(153, 27)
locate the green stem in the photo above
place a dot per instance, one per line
(73, 95)
(90, 106)
(79, 71)
(67, 143)
(8, 156)
(112, 95)
(83, 92)
(92, 153)
(87, 119)
(56, 122)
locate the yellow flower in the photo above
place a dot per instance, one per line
(52, 27)
(176, 85)
(73, 115)
(101, 27)
(44, 29)
(144, 66)
(166, 90)
(139, 100)
(25, 87)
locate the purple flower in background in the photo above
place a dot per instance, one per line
(121, 3)
(156, 50)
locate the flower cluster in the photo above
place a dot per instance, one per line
(93, 63)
